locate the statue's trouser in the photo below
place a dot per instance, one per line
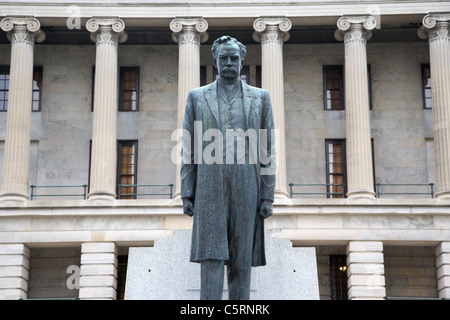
(241, 202)
(212, 276)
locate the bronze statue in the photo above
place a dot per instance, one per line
(228, 189)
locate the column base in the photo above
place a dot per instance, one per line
(101, 195)
(361, 195)
(443, 195)
(281, 194)
(14, 196)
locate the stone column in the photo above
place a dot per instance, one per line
(188, 32)
(106, 33)
(365, 270)
(272, 32)
(14, 266)
(355, 30)
(23, 32)
(443, 269)
(98, 272)
(436, 28)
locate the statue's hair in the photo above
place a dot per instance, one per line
(224, 40)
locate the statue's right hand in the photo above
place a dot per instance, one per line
(188, 207)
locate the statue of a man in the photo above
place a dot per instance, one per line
(231, 196)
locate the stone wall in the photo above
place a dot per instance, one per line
(410, 271)
(50, 273)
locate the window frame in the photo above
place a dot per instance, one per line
(338, 277)
(330, 192)
(340, 68)
(425, 66)
(40, 70)
(5, 70)
(342, 86)
(121, 87)
(120, 144)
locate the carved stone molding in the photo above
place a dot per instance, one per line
(22, 29)
(435, 25)
(189, 30)
(107, 30)
(355, 28)
(272, 29)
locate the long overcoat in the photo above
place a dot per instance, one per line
(202, 182)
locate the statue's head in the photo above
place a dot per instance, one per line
(228, 55)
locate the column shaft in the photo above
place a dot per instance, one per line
(188, 33)
(272, 32)
(355, 30)
(23, 31)
(436, 27)
(107, 33)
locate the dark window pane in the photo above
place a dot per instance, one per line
(129, 88)
(127, 169)
(338, 277)
(333, 87)
(426, 86)
(336, 176)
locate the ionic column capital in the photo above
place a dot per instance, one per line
(271, 29)
(22, 29)
(107, 30)
(189, 30)
(435, 25)
(355, 28)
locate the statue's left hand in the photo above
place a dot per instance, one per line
(266, 208)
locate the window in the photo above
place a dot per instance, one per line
(333, 87)
(129, 89)
(37, 85)
(336, 168)
(202, 75)
(37, 88)
(122, 262)
(127, 169)
(426, 86)
(338, 277)
(4, 88)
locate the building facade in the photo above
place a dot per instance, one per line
(92, 95)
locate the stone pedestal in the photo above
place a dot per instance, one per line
(23, 32)
(436, 27)
(443, 269)
(164, 272)
(14, 266)
(106, 33)
(355, 31)
(272, 32)
(98, 272)
(188, 32)
(365, 270)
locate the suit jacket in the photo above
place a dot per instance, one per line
(199, 181)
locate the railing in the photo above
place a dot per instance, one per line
(315, 185)
(405, 185)
(412, 298)
(121, 195)
(135, 193)
(33, 194)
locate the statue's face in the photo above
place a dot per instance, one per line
(228, 60)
